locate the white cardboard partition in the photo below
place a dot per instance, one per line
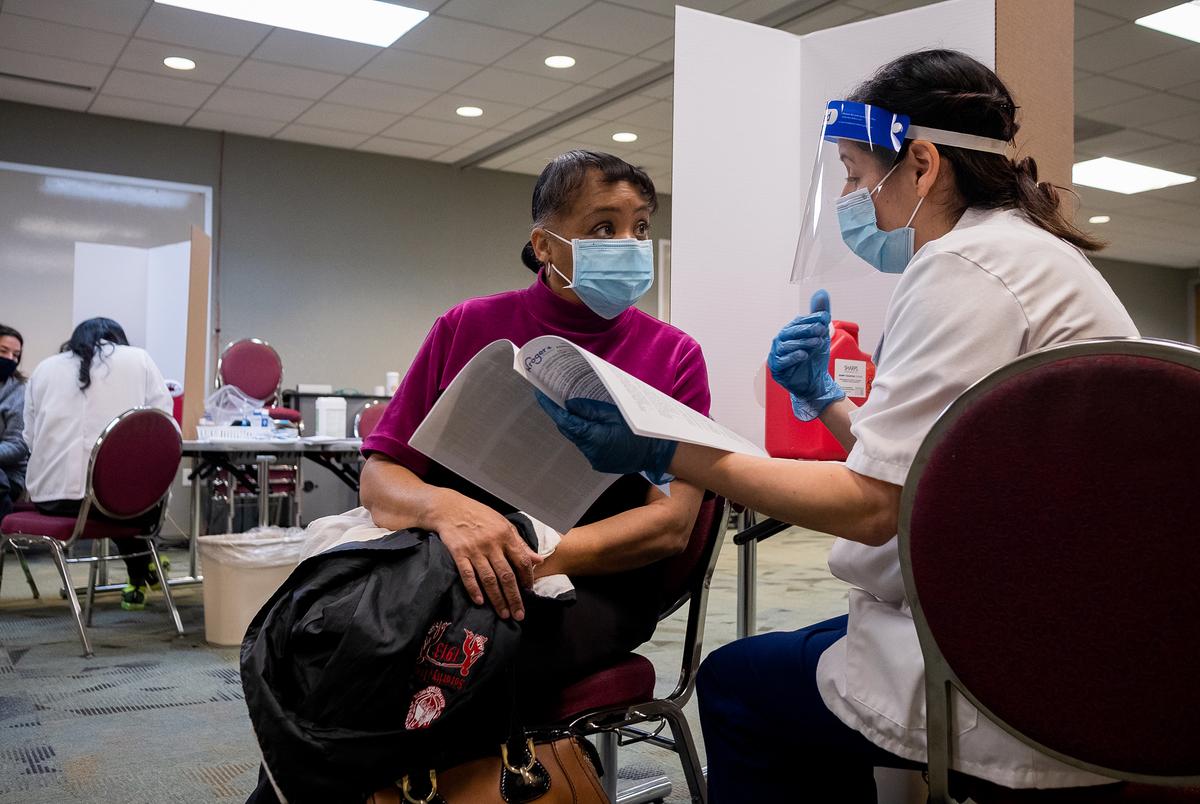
(748, 109)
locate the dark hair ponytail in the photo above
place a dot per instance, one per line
(12, 333)
(950, 90)
(85, 343)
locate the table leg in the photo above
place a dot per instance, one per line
(747, 592)
(264, 488)
(198, 483)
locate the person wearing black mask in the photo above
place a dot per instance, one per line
(14, 452)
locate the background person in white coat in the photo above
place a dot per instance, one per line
(998, 271)
(69, 400)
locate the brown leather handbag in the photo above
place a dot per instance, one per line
(559, 770)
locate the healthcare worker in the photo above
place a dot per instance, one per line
(991, 269)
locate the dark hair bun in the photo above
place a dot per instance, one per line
(529, 258)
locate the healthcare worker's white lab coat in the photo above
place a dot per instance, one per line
(993, 288)
(62, 421)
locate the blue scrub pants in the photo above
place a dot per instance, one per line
(768, 733)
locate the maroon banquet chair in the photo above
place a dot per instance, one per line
(253, 366)
(1050, 539)
(132, 467)
(610, 702)
(368, 418)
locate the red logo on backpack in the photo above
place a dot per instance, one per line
(426, 707)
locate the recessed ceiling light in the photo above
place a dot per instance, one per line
(1099, 219)
(625, 136)
(179, 63)
(1119, 176)
(368, 21)
(468, 111)
(1182, 21)
(560, 62)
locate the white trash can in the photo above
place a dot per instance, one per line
(241, 571)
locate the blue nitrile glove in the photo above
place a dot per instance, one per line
(602, 435)
(799, 361)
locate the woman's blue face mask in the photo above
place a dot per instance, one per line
(888, 251)
(610, 275)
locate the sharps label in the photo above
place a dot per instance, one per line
(851, 375)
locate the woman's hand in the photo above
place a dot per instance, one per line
(491, 556)
(799, 360)
(601, 434)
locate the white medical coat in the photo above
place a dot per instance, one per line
(993, 288)
(62, 421)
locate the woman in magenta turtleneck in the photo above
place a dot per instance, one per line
(611, 554)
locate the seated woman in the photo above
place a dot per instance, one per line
(13, 450)
(610, 555)
(69, 400)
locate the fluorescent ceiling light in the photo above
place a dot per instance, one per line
(368, 21)
(1182, 21)
(625, 136)
(1119, 176)
(468, 111)
(179, 63)
(560, 62)
(1099, 219)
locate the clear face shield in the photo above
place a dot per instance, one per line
(858, 150)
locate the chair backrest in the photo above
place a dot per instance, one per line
(367, 418)
(684, 572)
(253, 366)
(134, 463)
(1050, 540)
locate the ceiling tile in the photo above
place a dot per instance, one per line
(153, 111)
(571, 97)
(752, 10)
(1119, 47)
(827, 17)
(417, 70)
(465, 41)
(1123, 142)
(256, 104)
(612, 27)
(530, 16)
(53, 39)
(623, 106)
(1178, 156)
(1146, 111)
(1170, 211)
(1166, 71)
(206, 31)
(52, 69)
(1097, 91)
(283, 80)
(667, 7)
(664, 51)
(416, 129)
(144, 56)
(630, 68)
(113, 16)
(236, 123)
(157, 88)
(664, 89)
(30, 92)
(1128, 9)
(347, 118)
(494, 112)
(412, 150)
(657, 115)
(663, 148)
(576, 126)
(1188, 90)
(531, 58)
(507, 86)
(1088, 22)
(524, 120)
(315, 52)
(321, 136)
(601, 137)
(1180, 128)
(454, 154)
(380, 95)
(482, 140)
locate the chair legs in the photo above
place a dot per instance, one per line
(606, 746)
(166, 587)
(60, 561)
(93, 571)
(25, 569)
(685, 746)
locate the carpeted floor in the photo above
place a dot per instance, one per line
(156, 717)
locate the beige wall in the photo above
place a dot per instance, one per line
(1155, 296)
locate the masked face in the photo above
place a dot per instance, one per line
(610, 275)
(888, 251)
(10, 356)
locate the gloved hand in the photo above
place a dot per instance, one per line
(799, 361)
(602, 435)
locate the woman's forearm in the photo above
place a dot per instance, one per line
(836, 418)
(823, 496)
(396, 497)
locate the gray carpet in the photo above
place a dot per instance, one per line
(156, 717)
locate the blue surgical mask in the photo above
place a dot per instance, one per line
(889, 252)
(610, 275)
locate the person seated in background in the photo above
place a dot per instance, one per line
(69, 399)
(14, 452)
(580, 199)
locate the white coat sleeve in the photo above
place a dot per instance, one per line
(30, 431)
(950, 323)
(157, 395)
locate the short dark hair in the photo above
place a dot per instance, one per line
(12, 333)
(950, 90)
(85, 343)
(560, 180)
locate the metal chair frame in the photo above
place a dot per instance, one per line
(61, 550)
(219, 379)
(610, 723)
(374, 403)
(940, 679)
